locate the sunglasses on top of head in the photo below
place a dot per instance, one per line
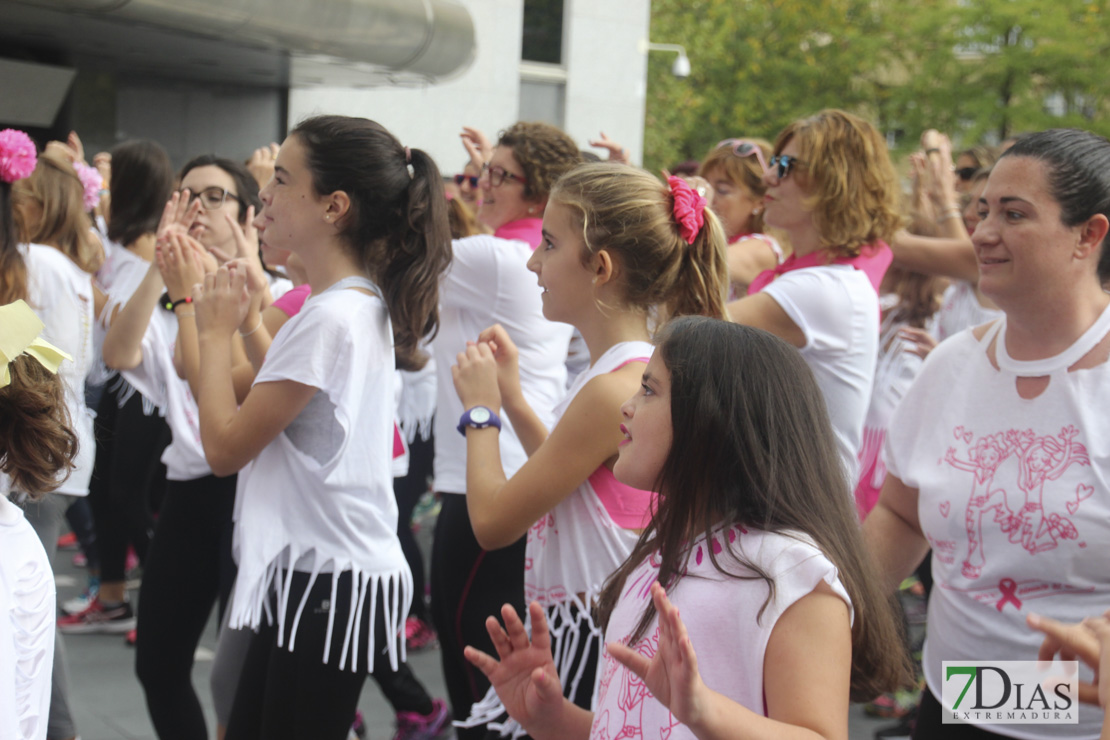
(783, 164)
(744, 148)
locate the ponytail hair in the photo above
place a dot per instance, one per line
(36, 439)
(630, 215)
(13, 270)
(397, 222)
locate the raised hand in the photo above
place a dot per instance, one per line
(524, 673)
(617, 153)
(475, 376)
(181, 260)
(506, 356)
(178, 216)
(671, 675)
(477, 145)
(1088, 641)
(221, 302)
(261, 163)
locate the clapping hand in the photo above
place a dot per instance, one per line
(221, 302)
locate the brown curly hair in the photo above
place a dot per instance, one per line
(544, 152)
(37, 441)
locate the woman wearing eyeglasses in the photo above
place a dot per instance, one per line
(832, 189)
(151, 340)
(489, 283)
(734, 169)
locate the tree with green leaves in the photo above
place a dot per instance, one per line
(979, 69)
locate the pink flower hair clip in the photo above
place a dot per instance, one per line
(91, 181)
(18, 156)
(689, 208)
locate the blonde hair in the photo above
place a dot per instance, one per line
(738, 170)
(851, 183)
(64, 224)
(630, 215)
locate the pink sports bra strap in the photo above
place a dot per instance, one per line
(626, 362)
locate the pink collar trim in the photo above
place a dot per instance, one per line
(524, 229)
(873, 261)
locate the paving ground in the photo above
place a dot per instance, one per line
(108, 702)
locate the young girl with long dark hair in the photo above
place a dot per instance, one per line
(620, 251)
(321, 573)
(754, 539)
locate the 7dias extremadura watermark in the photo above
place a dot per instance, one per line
(1017, 692)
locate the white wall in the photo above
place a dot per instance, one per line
(606, 71)
(606, 78)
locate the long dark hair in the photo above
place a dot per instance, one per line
(141, 183)
(397, 223)
(1078, 164)
(753, 446)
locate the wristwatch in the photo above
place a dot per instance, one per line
(478, 417)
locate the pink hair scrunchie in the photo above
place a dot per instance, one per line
(91, 182)
(689, 208)
(18, 156)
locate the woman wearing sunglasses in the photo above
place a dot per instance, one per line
(832, 189)
(489, 283)
(734, 169)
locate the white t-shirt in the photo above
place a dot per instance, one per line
(27, 607)
(1013, 499)
(319, 497)
(60, 293)
(488, 283)
(960, 309)
(838, 312)
(722, 618)
(156, 378)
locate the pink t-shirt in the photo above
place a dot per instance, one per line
(290, 303)
(721, 614)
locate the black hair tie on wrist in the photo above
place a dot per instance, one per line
(169, 304)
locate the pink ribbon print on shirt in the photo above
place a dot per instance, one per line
(1039, 460)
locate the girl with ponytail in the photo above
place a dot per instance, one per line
(621, 252)
(322, 577)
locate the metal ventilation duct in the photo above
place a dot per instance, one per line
(434, 38)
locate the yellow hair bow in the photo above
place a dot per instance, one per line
(19, 334)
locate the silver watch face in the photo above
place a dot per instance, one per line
(479, 415)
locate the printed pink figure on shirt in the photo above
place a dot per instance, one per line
(1044, 459)
(632, 692)
(984, 457)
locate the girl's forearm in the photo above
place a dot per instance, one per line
(530, 430)
(485, 478)
(215, 398)
(725, 719)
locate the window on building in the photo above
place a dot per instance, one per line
(543, 31)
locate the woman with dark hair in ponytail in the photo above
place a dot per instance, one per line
(621, 252)
(321, 573)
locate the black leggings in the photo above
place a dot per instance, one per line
(294, 695)
(468, 585)
(408, 491)
(188, 568)
(930, 724)
(128, 478)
